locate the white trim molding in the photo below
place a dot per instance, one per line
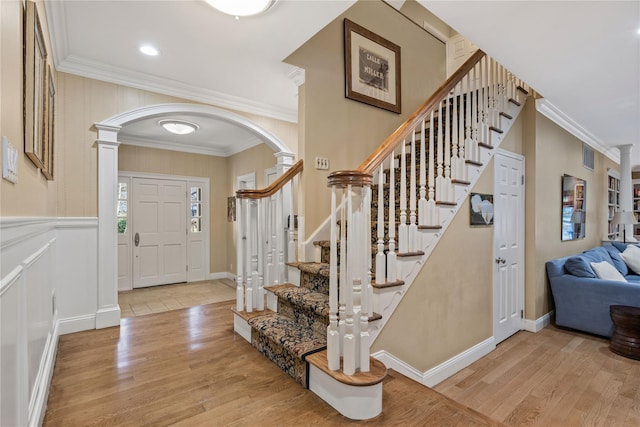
(539, 324)
(553, 113)
(441, 372)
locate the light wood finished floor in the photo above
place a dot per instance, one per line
(158, 299)
(188, 368)
(552, 378)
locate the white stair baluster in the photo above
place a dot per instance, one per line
(403, 232)
(422, 202)
(440, 159)
(433, 217)
(413, 227)
(346, 288)
(461, 168)
(392, 270)
(454, 135)
(342, 280)
(248, 259)
(333, 336)
(380, 257)
(261, 240)
(365, 290)
(240, 254)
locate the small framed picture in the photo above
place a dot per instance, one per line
(372, 68)
(231, 208)
(481, 209)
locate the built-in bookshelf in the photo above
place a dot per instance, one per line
(636, 204)
(613, 202)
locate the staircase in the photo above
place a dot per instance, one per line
(321, 317)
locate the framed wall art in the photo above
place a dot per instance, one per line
(481, 209)
(372, 68)
(35, 86)
(49, 115)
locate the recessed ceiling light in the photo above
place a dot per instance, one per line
(241, 7)
(149, 50)
(178, 127)
(638, 31)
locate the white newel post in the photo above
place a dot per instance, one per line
(284, 161)
(108, 310)
(348, 332)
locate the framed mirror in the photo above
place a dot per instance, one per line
(574, 207)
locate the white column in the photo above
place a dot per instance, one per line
(626, 187)
(108, 312)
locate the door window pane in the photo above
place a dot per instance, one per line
(196, 209)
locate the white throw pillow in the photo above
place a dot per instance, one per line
(606, 271)
(631, 257)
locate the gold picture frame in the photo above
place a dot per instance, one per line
(372, 68)
(49, 114)
(35, 86)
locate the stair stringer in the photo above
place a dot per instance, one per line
(386, 300)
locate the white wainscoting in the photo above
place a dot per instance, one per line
(48, 286)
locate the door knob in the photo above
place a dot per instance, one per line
(136, 239)
(500, 260)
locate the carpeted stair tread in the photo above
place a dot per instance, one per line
(319, 268)
(304, 299)
(296, 340)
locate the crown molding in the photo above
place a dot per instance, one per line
(174, 146)
(547, 109)
(56, 20)
(100, 71)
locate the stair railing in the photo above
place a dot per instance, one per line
(444, 136)
(265, 238)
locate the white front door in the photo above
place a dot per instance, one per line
(159, 232)
(508, 287)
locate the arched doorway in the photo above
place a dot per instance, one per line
(108, 313)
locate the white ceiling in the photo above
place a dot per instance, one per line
(582, 56)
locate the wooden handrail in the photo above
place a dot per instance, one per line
(384, 150)
(275, 185)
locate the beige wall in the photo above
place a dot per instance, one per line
(418, 14)
(448, 308)
(255, 159)
(149, 160)
(344, 130)
(557, 152)
(32, 195)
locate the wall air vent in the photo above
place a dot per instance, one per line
(587, 157)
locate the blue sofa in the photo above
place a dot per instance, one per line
(581, 299)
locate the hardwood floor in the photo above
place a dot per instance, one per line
(157, 299)
(188, 368)
(552, 378)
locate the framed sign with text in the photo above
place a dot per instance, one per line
(372, 68)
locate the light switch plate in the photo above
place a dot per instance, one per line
(9, 161)
(322, 163)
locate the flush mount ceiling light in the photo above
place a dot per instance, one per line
(178, 127)
(149, 50)
(242, 7)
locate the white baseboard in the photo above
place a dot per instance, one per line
(538, 324)
(76, 324)
(222, 275)
(441, 372)
(105, 318)
(38, 405)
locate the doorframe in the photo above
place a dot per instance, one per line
(247, 177)
(206, 204)
(108, 310)
(521, 210)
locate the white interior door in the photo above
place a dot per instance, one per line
(508, 301)
(159, 232)
(459, 50)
